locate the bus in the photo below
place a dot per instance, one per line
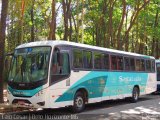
(53, 74)
(158, 75)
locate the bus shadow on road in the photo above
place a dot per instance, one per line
(114, 103)
(89, 107)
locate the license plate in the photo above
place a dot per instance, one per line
(21, 102)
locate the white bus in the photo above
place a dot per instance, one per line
(53, 74)
(158, 75)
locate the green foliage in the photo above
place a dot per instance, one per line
(100, 27)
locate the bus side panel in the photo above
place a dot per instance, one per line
(151, 83)
(62, 93)
(104, 85)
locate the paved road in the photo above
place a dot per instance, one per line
(147, 108)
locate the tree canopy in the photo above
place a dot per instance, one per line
(130, 25)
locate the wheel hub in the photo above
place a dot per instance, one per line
(79, 102)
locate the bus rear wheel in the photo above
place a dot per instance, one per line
(135, 95)
(79, 102)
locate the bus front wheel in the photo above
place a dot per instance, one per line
(79, 102)
(135, 95)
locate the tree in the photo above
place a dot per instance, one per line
(52, 34)
(2, 43)
(32, 20)
(121, 25)
(125, 25)
(66, 11)
(134, 16)
(22, 20)
(155, 41)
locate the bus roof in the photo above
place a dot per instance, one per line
(53, 43)
(158, 61)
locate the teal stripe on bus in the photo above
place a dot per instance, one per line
(24, 93)
(101, 84)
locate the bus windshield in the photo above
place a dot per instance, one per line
(29, 65)
(158, 71)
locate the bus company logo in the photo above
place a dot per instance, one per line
(22, 85)
(129, 79)
(19, 93)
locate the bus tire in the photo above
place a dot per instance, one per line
(135, 95)
(79, 102)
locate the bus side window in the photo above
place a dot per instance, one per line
(119, 63)
(148, 65)
(132, 64)
(113, 62)
(137, 65)
(153, 66)
(97, 60)
(158, 71)
(127, 63)
(60, 64)
(158, 67)
(55, 63)
(87, 59)
(77, 58)
(65, 67)
(142, 65)
(105, 63)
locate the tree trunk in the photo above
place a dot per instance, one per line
(66, 9)
(120, 25)
(104, 12)
(153, 47)
(70, 21)
(157, 49)
(77, 27)
(132, 22)
(2, 43)
(82, 21)
(110, 24)
(21, 21)
(157, 40)
(52, 33)
(97, 35)
(32, 20)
